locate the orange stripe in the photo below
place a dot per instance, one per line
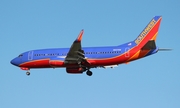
(154, 37)
(143, 53)
(135, 56)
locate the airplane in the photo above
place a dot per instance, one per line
(78, 59)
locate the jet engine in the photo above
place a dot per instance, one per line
(75, 70)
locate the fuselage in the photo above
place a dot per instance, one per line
(78, 59)
(100, 56)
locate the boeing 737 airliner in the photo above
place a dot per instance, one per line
(77, 59)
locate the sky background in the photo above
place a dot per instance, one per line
(152, 82)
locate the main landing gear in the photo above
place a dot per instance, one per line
(28, 73)
(89, 73)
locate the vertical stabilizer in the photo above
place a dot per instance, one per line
(150, 32)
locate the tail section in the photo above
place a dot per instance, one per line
(149, 33)
(145, 42)
(150, 45)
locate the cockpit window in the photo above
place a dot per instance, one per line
(20, 55)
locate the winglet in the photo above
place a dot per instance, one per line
(79, 38)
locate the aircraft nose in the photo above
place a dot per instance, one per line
(15, 61)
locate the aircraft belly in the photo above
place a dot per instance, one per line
(108, 61)
(56, 63)
(43, 63)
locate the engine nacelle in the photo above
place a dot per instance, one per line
(75, 70)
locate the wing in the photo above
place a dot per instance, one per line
(75, 54)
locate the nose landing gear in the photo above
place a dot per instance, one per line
(28, 73)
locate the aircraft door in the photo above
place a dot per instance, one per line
(127, 52)
(30, 55)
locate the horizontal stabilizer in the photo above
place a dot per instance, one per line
(149, 45)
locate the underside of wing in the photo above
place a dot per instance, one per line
(75, 54)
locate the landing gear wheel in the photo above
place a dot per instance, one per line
(89, 73)
(27, 73)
